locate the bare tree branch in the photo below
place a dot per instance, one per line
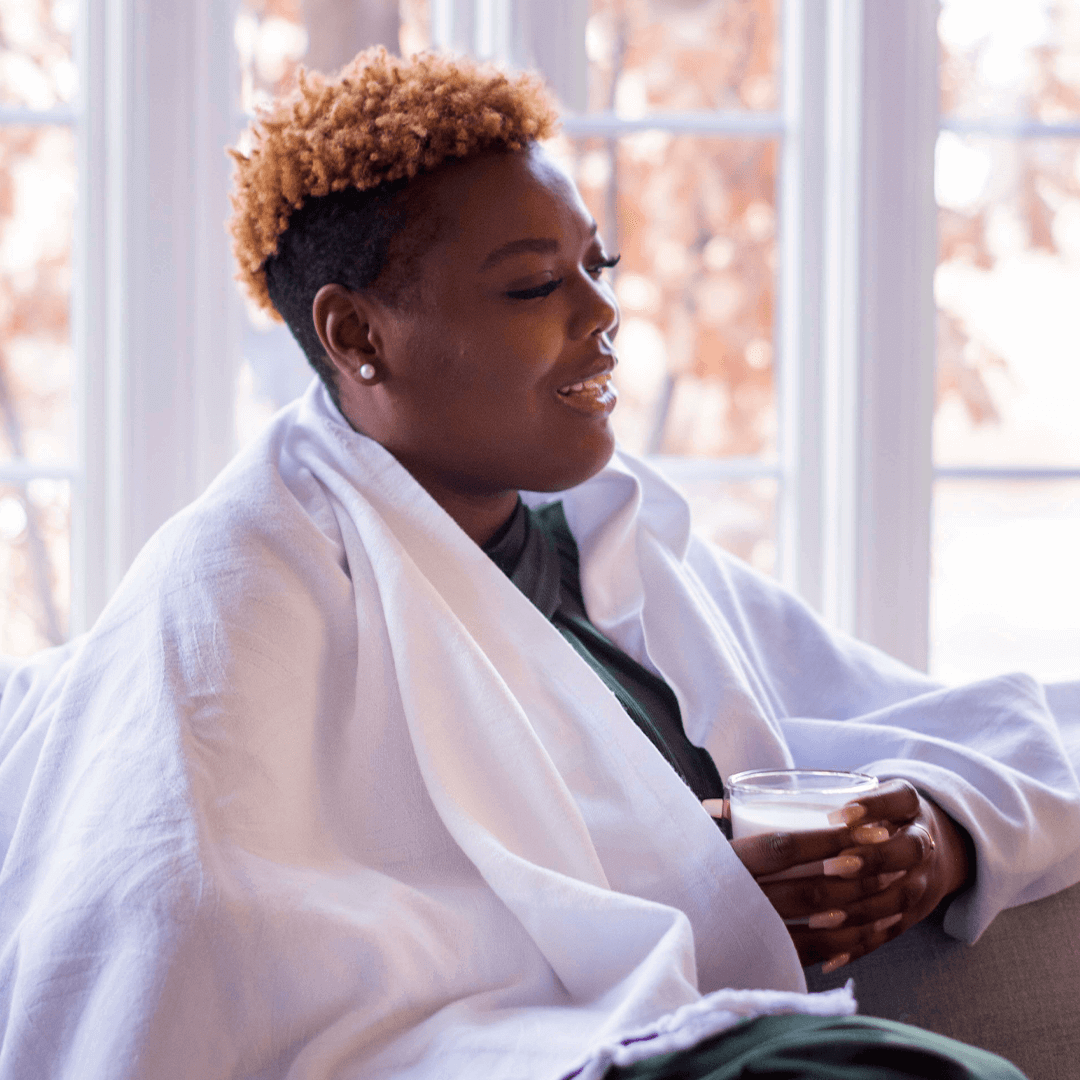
(38, 555)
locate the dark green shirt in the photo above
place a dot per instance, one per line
(537, 551)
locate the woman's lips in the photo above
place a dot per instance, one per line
(593, 396)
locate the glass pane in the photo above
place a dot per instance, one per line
(36, 68)
(1010, 58)
(37, 195)
(35, 565)
(274, 37)
(683, 54)
(695, 222)
(1007, 286)
(271, 40)
(1005, 589)
(273, 372)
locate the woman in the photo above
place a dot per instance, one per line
(376, 767)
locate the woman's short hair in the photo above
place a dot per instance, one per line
(323, 197)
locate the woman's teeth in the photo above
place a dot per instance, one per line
(595, 396)
(595, 383)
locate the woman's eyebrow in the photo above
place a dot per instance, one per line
(541, 245)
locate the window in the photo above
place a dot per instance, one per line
(39, 467)
(1006, 588)
(766, 168)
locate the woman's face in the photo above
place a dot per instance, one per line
(495, 376)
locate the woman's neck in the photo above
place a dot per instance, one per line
(480, 517)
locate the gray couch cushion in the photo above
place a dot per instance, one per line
(1016, 991)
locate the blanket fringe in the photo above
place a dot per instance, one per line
(700, 1020)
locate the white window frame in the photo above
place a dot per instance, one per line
(882, 352)
(155, 314)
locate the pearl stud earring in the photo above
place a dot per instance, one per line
(367, 371)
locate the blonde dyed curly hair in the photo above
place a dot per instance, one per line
(376, 124)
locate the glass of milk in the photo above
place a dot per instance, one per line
(790, 800)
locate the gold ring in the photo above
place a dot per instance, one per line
(923, 828)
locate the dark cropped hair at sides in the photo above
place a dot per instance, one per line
(323, 196)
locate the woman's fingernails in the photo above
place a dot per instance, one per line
(842, 866)
(870, 834)
(827, 920)
(885, 880)
(836, 962)
(883, 924)
(847, 815)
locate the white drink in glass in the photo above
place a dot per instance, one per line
(763, 817)
(791, 800)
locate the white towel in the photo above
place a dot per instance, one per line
(323, 795)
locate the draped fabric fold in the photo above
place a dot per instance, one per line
(323, 795)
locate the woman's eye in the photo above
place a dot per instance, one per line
(532, 294)
(550, 286)
(604, 264)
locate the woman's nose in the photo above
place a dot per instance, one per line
(599, 310)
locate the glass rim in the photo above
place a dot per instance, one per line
(857, 782)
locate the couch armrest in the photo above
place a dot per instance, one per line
(1016, 991)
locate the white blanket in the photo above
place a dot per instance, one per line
(322, 794)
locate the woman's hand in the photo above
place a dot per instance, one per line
(896, 859)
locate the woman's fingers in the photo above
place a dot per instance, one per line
(891, 801)
(907, 848)
(879, 866)
(840, 934)
(902, 897)
(772, 853)
(863, 926)
(810, 896)
(814, 946)
(844, 892)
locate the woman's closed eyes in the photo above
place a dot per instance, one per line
(550, 286)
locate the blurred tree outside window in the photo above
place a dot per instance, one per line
(694, 217)
(1005, 586)
(38, 85)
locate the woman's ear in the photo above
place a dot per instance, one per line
(344, 322)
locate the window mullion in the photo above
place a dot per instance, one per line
(800, 384)
(89, 529)
(896, 322)
(840, 300)
(156, 308)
